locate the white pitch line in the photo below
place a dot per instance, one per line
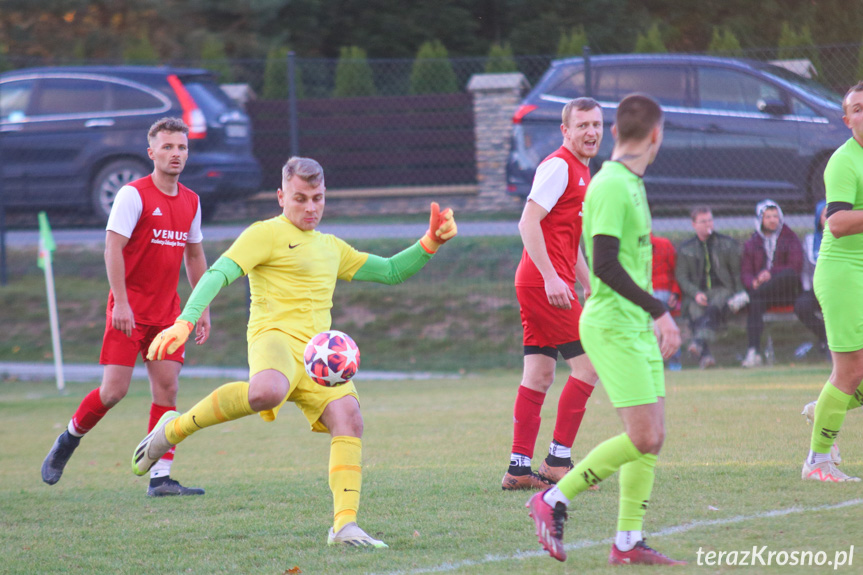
(587, 543)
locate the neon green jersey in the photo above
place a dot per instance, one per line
(616, 206)
(292, 275)
(843, 180)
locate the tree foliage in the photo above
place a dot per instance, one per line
(432, 71)
(139, 50)
(573, 43)
(215, 59)
(650, 42)
(353, 74)
(500, 59)
(723, 42)
(55, 30)
(795, 45)
(275, 85)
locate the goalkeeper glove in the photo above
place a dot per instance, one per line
(442, 227)
(169, 340)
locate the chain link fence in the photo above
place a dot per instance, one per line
(390, 143)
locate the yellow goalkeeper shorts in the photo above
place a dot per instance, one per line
(277, 350)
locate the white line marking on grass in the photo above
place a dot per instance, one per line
(587, 543)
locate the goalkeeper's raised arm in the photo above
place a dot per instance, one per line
(401, 266)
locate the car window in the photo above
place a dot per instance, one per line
(124, 97)
(14, 99)
(806, 84)
(64, 96)
(211, 99)
(720, 89)
(665, 83)
(570, 87)
(798, 108)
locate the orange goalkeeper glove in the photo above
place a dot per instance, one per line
(442, 227)
(169, 340)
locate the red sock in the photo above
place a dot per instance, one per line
(156, 412)
(526, 420)
(570, 410)
(90, 411)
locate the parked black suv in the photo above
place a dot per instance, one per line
(72, 136)
(736, 131)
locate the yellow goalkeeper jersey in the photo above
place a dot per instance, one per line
(292, 275)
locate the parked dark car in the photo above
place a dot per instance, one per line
(72, 136)
(736, 131)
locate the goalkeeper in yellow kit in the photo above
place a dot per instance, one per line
(292, 273)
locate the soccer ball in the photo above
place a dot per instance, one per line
(331, 358)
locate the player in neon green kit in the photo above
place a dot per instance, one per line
(626, 333)
(838, 287)
(292, 272)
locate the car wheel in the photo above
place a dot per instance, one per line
(108, 182)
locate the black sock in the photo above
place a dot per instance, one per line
(554, 461)
(70, 439)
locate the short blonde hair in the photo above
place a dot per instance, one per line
(170, 125)
(580, 104)
(307, 169)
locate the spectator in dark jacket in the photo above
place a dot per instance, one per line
(770, 270)
(708, 271)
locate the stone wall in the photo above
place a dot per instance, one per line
(495, 99)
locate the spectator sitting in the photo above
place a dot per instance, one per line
(665, 287)
(771, 266)
(806, 306)
(708, 271)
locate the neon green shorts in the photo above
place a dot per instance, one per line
(284, 353)
(628, 363)
(838, 286)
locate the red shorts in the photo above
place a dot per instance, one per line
(118, 349)
(545, 325)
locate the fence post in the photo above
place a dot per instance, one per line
(3, 271)
(495, 99)
(585, 51)
(292, 104)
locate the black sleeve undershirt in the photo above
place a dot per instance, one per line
(834, 207)
(607, 268)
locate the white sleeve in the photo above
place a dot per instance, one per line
(549, 183)
(125, 212)
(195, 234)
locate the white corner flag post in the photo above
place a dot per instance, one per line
(46, 247)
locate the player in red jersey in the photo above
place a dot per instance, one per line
(154, 226)
(550, 228)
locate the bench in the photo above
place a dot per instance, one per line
(780, 313)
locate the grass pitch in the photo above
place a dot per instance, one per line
(434, 453)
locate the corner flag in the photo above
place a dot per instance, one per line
(46, 240)
(46, 247)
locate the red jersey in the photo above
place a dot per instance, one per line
(664, 262)
(154, 253)
(561, 228)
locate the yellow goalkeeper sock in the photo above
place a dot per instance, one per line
(346, 478)
(228, 402)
